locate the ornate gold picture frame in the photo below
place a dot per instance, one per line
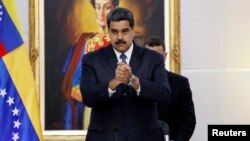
(36, 36)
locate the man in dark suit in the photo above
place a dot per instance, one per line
(179, 113)
(122, 83)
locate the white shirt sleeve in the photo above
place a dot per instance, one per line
(111, 92)
(138, 90)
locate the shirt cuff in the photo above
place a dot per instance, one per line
(138, 91)
(111, 92)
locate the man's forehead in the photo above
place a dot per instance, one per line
(154, 47)
(103, 2)
(122, 23)
(119, 29)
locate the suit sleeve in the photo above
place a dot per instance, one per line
(187, 125)
(93, 93)
(156, 89)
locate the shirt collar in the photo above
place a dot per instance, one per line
(128, 53)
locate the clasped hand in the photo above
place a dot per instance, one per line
(122, 75)
(123, 72)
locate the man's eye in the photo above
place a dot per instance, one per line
(114, 32)
(108, 6)
(97, 7)
(125, 31)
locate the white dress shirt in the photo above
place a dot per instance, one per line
(128, 53)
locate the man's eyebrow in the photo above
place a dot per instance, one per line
(125, 29)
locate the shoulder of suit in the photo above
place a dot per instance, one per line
(151, 52)
(102, 50)
(177, 76)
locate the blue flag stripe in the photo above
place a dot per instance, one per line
(8, 116)
(9, 35)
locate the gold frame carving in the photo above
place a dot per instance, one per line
(174, 36)
(35, 57)
(34, 39)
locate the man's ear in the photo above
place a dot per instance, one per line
(165, 55)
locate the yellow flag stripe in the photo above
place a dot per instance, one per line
(18, 65)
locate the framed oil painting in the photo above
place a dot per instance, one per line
(57, 29)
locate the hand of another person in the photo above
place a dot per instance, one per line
(123, 72)
(76, 94)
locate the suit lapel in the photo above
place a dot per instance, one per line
(136, 57)
(135, 60)
(111, 57)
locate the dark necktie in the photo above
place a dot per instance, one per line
(123, 57)
(123, 86)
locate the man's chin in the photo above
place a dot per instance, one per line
(102, 24)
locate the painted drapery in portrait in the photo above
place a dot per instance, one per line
(69, 28)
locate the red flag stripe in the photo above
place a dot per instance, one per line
(3, 51)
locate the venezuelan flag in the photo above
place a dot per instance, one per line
(19, 107)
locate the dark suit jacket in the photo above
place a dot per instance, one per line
(179, 112)
(125, 116)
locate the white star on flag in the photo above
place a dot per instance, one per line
(3, 92)
(17, 124)
(15, 137)
(10, 101)
(1, 12)
(15, 111)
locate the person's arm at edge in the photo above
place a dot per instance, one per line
(187, 127)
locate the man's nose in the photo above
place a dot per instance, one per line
(119, 35)
(103, 11)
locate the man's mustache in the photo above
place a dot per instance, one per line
(120, 42)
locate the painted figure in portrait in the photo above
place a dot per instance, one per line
(88, 42)
(72, 29)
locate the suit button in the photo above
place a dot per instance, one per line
(125, 94)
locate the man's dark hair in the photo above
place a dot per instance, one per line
(114, 2)
(155, 41)
(120, 14)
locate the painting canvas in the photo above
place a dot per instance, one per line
(66, 22)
